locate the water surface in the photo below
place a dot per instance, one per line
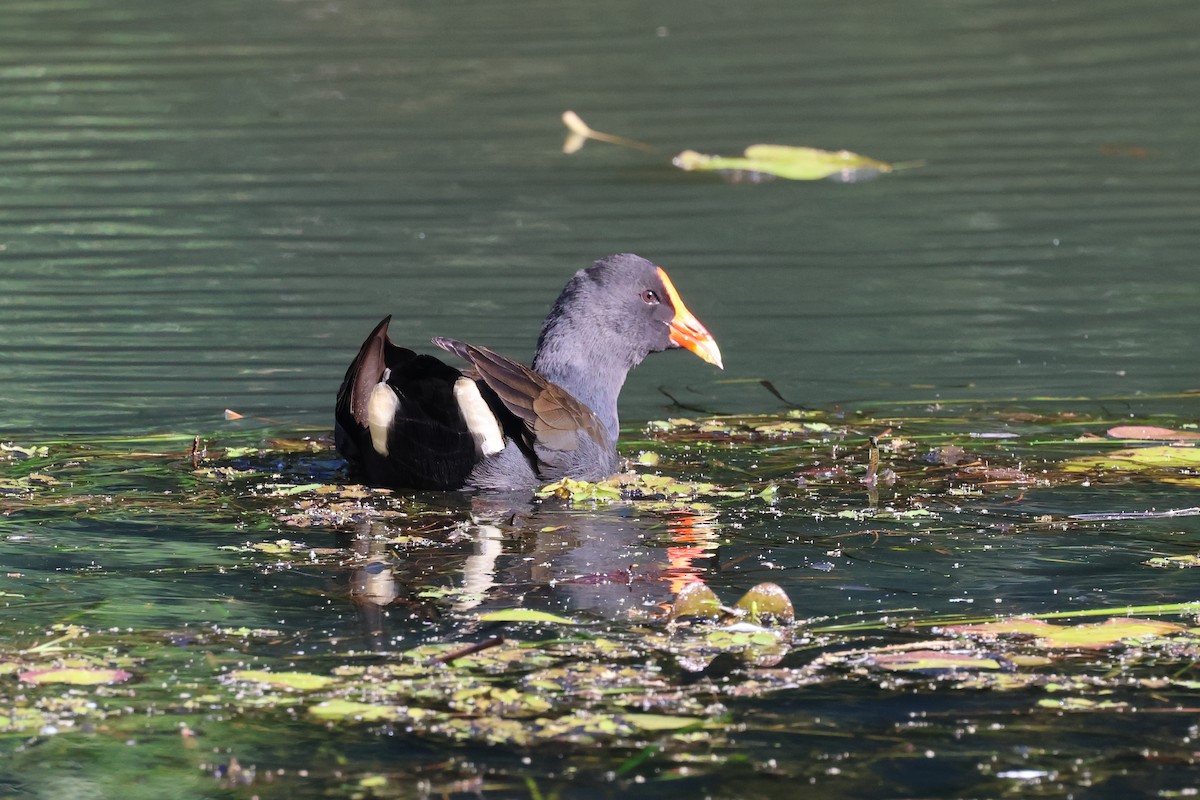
(208, 205)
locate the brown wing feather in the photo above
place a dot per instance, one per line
(550, 411)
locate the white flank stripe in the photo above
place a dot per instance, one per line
(481, 422)
(382, 406)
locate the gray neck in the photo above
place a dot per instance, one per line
(591, 370)
(590, 388)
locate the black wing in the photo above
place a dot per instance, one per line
(427, 445)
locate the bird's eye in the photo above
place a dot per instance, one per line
(651, 297)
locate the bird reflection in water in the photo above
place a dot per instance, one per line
(693, 540)
(613, 562)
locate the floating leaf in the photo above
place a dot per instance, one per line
(1174, 561)
(1088, 636)
(353, 711)
(768, 602)
(22, 720)
(696, 600)
(78, 676)
(793, 163)
(751, 642)
(579, 491)
(525, 615)
(26, 452)
(1080, 704)
(660, 722)
(932, 661)
(887, 513)
(300, 681)
(277, 547)
(1151, 433)
(1166, 513)
(782, 427)
(626, 486)
(1140, 459)
(284, 489)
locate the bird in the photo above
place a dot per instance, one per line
(407, 420)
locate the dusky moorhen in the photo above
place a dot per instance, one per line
(407, 420)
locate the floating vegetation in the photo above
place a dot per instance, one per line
(580, 133)
(224, 591)
(759, 162)
(762, 162)
(1189, 560)
(1153, 433)
(1167, 462)
(627, 486)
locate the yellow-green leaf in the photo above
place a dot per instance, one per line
(1174, 561)
(1089, 636)
(660, 722)
(300, 681)
(76, 676)
(767, 601)
(524, 615)
(350, 710)
(793, 163)
(1138, 459)
(932, 660)
(696, 600)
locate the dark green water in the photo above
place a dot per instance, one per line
(207, 205)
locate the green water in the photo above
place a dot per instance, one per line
(208, 205)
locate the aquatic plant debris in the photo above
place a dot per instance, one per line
(579, 133)
(628, 486)
(765, 161)
(1181, 562)
(1104, 634)
(299, 681)
(1162, 461)
(1152, 433)
(759, 162)
(525, 615)
(78, 676)
(760, 582)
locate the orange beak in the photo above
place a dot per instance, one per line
(686, 330)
